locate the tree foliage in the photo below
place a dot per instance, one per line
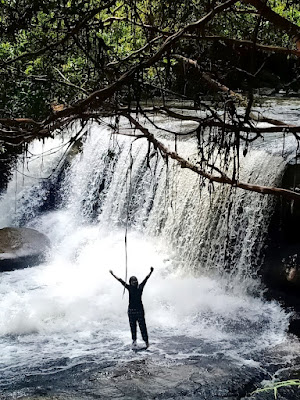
(68, 59)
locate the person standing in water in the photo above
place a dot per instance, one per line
(135, 308)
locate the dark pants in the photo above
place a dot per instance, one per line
(134, 317)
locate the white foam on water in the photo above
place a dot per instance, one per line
(70, 306)
(25, 191)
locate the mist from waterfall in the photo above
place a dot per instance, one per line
(205, 248)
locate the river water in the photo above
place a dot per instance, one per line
(63, 324)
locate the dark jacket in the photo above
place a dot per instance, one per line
(135, 295)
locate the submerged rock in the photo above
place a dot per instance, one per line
(21, 248)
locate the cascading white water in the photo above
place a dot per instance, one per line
(70, 306)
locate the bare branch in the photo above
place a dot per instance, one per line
(99, 96)
(212, 82)
(248, 43)
(65, 82)
(134, 53)
(212, 178)
(282, 23)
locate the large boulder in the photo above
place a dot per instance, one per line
(21, 248)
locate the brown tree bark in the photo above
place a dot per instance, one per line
(282, 23)
(224, 179)
(18, 130)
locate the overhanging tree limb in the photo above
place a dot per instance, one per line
(99, 96)
(280, 22)
(212, 82)
(99, 99)
(230, 127)
(242, 100)
(248, 43)
(224, 179)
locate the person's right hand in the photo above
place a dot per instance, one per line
(111, 271)
(151, 269)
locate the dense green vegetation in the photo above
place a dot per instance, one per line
(57, 52)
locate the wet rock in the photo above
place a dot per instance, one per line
(294, 327)
(21, 247)
(148, 380)
(266, 91)
(38, 397)
(143, 379)
(281, 269)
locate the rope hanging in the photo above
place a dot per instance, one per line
(128, 214)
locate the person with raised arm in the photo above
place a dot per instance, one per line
(136, 311)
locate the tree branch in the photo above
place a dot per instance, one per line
(248, 43)
(99, 96)
(282, 23)
(212, 178)
(213, 83)
(280, 125)
(134, 53)
(63, 40)
(278, 128)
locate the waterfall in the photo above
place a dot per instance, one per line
(115, 183)
(205, 248)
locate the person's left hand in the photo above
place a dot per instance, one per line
(151, 269)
